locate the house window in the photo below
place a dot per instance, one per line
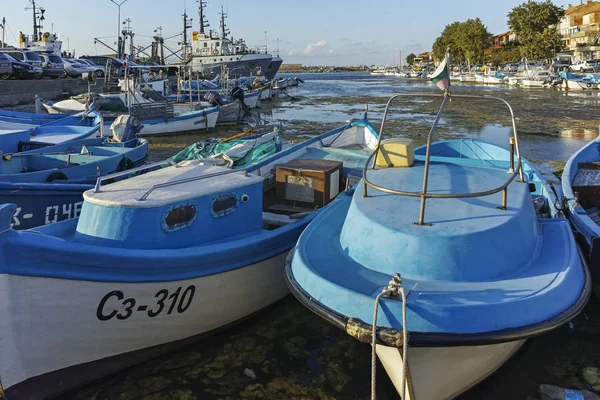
(205, 44)
(217, 45)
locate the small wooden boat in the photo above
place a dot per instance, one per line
(463, 268)
(157, 117)
(581, 189)
(157, 260)
(13, 135)
(46, 182)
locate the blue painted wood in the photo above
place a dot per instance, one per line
(578, 216)
(477, 269)
(219, 245)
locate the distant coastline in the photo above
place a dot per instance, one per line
(298, 68)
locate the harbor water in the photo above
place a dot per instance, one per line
(287, 352)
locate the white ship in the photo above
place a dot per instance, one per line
(211, 52)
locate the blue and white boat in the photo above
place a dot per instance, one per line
(46, 184)
(581, 190)
(152, 262)
(22, 130)
(158, 117)
(464, 255)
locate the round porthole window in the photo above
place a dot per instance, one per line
(223, 204)
(179, 217)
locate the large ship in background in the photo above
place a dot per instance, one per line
(211, 54)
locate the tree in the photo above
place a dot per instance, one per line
(466, 40)
(473, 38)
(535, 24)
(447, 39)
(410, 59)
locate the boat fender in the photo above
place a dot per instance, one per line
(362, 332)
(125, 164)
(56, 176)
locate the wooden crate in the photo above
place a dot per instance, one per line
(587, 181)
(308, 183)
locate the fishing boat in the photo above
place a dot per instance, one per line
(158, 116)
(46, 183)
(156, 260)
(581, 189)
(493, 77)
(13, 136)
(456, 246)
(537, 78)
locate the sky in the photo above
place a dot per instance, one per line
(310, 32)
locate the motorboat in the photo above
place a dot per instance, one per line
(445, 259)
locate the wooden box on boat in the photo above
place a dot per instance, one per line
(587, 181)
(307, 182)
(396, 152)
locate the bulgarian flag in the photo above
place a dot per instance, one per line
(441, 76)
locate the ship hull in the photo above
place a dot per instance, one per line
(238, 66)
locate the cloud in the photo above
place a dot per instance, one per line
(311, 49)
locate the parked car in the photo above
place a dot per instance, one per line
(98, 70)
(6, 70)
(561, 65)
(73, 69)
(52, 65)
(583, 66)
(116, 65)
(30, 58)
(21, 70)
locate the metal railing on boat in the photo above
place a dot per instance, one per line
(423, 194)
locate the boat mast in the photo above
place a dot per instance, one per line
(37, 21)
(224, 30)
(203, 21)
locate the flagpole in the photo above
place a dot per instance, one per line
(428, 152)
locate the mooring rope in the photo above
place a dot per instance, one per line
(393, 289)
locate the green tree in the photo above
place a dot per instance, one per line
(466, 40)
(448, 39)
(535, 24)
(473, 38)
(410, 59)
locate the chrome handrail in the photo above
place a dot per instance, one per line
(130, 171)
(423, 193)
(186, 180)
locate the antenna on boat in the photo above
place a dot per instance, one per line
(224, 30)
(203, 20)
(38, 17)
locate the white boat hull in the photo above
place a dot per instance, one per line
(577, 86)
(83, 321)
(466, 78)
(200, 122)
(532, 83)
(438, 373)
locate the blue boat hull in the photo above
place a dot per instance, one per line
(42, 204)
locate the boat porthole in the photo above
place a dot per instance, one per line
(223, 204)
(179, 217)
(244, 198)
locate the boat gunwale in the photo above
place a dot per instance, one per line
(427, 339)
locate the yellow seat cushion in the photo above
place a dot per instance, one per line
(396, 152)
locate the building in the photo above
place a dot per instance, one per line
(580, 30)
(503, 39)
(426, 57)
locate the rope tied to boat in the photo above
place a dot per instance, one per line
(393, 290)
